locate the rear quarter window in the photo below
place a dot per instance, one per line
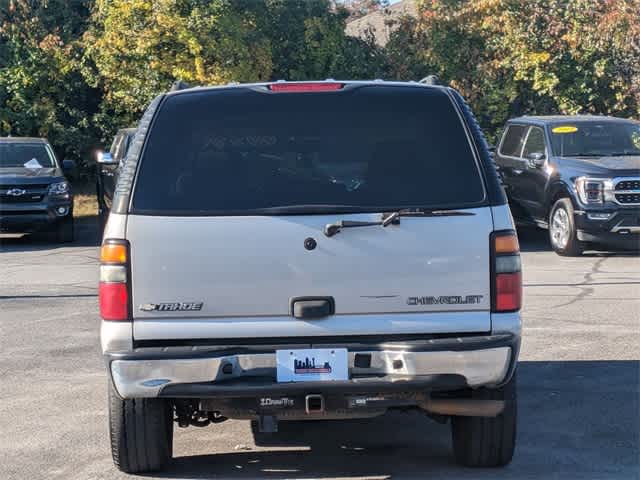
(240, 150)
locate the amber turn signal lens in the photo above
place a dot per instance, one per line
(507, 243)
(113, 253)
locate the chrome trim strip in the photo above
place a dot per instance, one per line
(618, 228)
(146, 378)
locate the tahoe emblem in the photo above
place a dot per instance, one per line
(445, 300)
(172, 307)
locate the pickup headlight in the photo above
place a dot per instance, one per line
(594, 191)
(60, 188)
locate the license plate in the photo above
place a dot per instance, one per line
(312, 365)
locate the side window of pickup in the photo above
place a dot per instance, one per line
(513, 140)
(535, 144)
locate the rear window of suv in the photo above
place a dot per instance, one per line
(240, 151)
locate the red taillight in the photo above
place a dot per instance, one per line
(508, 291)
(114, 301)
(305, 87)
(507, 275)
(113, 291)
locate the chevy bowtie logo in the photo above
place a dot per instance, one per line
(16, 192)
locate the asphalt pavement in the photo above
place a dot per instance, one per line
(578, 384)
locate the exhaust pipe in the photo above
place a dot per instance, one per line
(463, 407)
(314, 403)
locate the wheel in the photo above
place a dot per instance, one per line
(562, 229)
(64, 230)
(141, 432)
(487, 441)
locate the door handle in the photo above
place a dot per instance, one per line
(312, 307)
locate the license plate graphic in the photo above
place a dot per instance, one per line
(312, 365)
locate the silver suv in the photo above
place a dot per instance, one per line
(309, 251)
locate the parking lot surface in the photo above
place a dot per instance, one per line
(578, 384)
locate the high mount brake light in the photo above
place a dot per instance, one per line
(305, 87)
(114, 293)
(506, 272)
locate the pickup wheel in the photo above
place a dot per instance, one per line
(487, 441)
(141, 432)
(562, 229)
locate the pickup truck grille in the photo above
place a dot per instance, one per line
(628, 185)
(628, 198)
(12, 194)
(627, 191)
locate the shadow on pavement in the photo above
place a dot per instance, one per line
(85, 235)
(534, 239)
(577, 419)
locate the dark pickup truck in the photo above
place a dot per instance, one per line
(34, 193)
(577, 176)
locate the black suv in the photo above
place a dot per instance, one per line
(577, 176)
(109, 164)
(34, 193)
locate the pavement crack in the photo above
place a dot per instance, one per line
(585, 287)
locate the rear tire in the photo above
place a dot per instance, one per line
(487, 441)
(141, 431)
(64, 230)
(563, 234)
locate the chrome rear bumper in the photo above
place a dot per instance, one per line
(148, 377)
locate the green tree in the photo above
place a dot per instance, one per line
(308, 41)
(42, 92)
(510, 57)
(138, 48)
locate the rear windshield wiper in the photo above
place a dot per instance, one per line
(389, 218)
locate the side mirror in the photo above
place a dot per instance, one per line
(536, 159)
(105, 158)
(68, 165)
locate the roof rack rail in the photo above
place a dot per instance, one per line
(430, 80)
(179, 85)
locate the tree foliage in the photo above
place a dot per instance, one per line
(137, 48)
(77, 70)
(510, 57)
(42, 92)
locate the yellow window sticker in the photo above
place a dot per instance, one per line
(565, 129)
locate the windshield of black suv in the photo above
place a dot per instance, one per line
(363, 149)
(27, 155)
(595, 138)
